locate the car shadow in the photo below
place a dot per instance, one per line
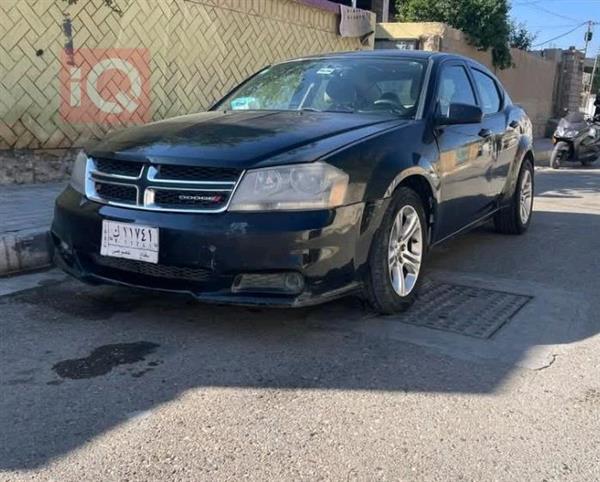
(79, 361)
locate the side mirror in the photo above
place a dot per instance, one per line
(460, 114)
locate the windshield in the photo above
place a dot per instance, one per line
(573, 120)
(333, 85)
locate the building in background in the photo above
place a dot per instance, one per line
(385, 10)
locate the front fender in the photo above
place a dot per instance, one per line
(378, 164)
(426, 171)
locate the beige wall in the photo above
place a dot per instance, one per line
(199, 50)
(530, 82)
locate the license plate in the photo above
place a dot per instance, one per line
(129, 241)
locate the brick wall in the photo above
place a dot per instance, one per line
(199, 49)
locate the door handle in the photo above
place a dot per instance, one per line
(485, 133)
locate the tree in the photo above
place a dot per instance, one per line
(520, 37)
(486, 22)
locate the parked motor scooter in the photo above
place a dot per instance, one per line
(576, 139)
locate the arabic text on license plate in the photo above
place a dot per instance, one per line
(130, 241)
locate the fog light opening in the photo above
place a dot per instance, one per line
(290, 283)
(294, 282)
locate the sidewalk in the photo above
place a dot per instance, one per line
(543, 149)
(25, 216)
(26, 213)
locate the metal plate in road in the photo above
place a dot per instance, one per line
(466, 310)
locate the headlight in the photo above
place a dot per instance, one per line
(562, 132)
(302, 186)
(78, 175)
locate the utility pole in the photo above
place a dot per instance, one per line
(385, 14)
(594, 70)
(588, 37)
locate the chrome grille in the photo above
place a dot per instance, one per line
(161, 187)
(193, 173)
(119, 168)
(116, 192)
(189, 197)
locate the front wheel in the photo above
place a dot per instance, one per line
(559, 154)
(398, 254)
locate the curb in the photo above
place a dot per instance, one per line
(24, 251)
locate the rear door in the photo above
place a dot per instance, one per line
(465, 156)
(503, 138)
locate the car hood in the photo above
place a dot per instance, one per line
(241, 139)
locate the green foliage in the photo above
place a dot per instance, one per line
(485, 22)
(520, 37)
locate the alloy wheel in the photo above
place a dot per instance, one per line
(526, 199)
(405, 251)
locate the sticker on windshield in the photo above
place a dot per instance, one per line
(245, 103)
(325, 71)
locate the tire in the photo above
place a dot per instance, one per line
(558, 154)
(383, 295)
(510, 220)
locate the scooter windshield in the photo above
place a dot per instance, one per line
(574, 120)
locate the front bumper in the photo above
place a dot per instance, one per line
(329, 248)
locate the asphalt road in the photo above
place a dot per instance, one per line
(109, 384)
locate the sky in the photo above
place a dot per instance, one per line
(552, 18)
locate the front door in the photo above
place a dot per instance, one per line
(466, 156)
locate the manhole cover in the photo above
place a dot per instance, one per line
(461, 309)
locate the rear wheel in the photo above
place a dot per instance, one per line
(397, 254)
(516, 217)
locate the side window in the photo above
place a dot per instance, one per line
(454, 88)
(488, 90)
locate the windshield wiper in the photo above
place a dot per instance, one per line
(337, 111)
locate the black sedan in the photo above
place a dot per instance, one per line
(315, 178)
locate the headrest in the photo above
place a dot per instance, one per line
(341, 91)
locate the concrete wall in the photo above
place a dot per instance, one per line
(198, 50)
(531, 83)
